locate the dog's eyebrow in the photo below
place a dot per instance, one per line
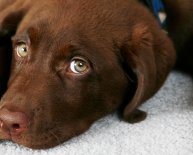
(69, 50)
(20, 38)
(30, 34)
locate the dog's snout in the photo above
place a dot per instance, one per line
(13, 123)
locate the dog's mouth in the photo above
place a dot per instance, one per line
(21, 135)
(44, 139)
(4, 132)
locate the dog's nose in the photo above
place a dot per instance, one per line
(13, 122)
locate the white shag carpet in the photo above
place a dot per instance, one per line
(168, 129)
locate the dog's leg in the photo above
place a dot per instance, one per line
(180, 30)
(180, 21)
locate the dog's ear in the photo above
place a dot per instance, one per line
(150, 57)
(11, 14)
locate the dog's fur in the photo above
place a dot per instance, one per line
(128, 58)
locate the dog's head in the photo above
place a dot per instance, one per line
(74, 62)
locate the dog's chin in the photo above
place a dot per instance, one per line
(34, 143)
(39, 142)
(47, 144)
(46, 140)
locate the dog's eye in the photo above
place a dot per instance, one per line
(21, 50)
(79, 66)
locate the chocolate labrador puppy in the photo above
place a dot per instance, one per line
(66, 63)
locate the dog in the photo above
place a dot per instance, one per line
(67, 63)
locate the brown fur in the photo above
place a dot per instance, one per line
(180, 15)
(129, 57)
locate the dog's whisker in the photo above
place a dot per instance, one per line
(55, 136)
(100, 55)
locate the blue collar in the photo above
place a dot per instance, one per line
(157, 6)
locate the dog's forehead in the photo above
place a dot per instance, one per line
(80, 14)
(72, 22)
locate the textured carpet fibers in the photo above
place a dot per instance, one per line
(168, 129)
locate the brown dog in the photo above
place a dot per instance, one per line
(180, 27)
(74, 61)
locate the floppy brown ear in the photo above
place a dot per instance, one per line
(11, 13)
(150, 55)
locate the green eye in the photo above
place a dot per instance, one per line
(79, 66)
(22, 50)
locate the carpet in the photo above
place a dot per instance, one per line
(168, 129)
